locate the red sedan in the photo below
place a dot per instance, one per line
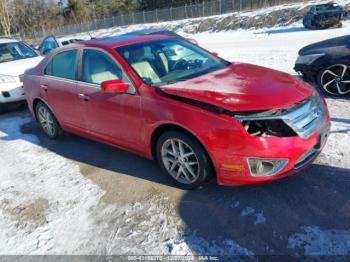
(198, 115)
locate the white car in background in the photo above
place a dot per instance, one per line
(15, 57)
(52, 42)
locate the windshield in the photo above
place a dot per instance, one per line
(327, 7)
(15, 51)
(169, 61)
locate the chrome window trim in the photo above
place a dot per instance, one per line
(131, 83)
(58, 53)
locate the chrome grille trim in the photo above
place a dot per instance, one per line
(307, 118)
(304, 120)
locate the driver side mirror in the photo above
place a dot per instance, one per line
(114, 86)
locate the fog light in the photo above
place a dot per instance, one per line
(261, 167)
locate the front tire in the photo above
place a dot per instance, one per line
(47, 121)
(184, 160)
(334, 80)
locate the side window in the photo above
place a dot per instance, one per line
(48, 44)
(99, 67)
(63, 65)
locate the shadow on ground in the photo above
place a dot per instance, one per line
(262, 218)
(258, 218)
(92, 153)
(284, 30)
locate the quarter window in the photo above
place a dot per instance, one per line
(63, 65)
(99, 67)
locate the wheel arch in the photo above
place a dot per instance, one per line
(36, 101)
(161, 129)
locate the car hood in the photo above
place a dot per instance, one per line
(16, 68)
(319, 47)
(243, 87)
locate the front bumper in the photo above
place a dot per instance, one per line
(310, 120)
(11, 92)
(308, 72)
(299, 152)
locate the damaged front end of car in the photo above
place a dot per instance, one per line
(300, 119)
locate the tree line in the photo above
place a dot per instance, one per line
(30, 16)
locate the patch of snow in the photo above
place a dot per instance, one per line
(315, 241)
(259, 218)
(247, 211)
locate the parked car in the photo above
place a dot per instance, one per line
(52, 42)
(197, 115)
(15, 58)
(159, 31)
(327, 64)
(324, 16)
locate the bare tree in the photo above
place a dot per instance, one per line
(5, 17)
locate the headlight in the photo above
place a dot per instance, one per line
(268, 127)
(7, 79)
(261, 167)
(308, 59)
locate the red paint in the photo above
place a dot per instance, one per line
(114, 86)
(128, 121)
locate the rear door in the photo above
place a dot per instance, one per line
(60, 86)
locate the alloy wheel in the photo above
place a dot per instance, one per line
(335, 80)
(46, 121)
(180, 161)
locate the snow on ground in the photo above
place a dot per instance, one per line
(274, 47)
(319, 242)
(190, 25)
(48, 207)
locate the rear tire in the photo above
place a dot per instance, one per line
(47, 121)
(184, 160)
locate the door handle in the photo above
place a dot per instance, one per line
(84, 97)
(44, 87)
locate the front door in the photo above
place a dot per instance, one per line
(115, 118)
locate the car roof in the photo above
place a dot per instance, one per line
(327, 4)
(152, 31)
(122, 40)
(7, 40)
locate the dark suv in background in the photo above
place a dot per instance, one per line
(324, 16)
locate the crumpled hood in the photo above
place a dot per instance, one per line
(16, 68)
(243, 87)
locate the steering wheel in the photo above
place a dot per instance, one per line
(179, 64)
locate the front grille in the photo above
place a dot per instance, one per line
(307, 118)
(302, 118)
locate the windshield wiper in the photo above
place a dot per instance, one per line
(170, 82)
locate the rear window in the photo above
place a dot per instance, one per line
(63, 65)
(327, 7)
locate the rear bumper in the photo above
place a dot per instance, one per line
(328, 21)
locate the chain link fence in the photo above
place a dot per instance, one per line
(207, 8)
